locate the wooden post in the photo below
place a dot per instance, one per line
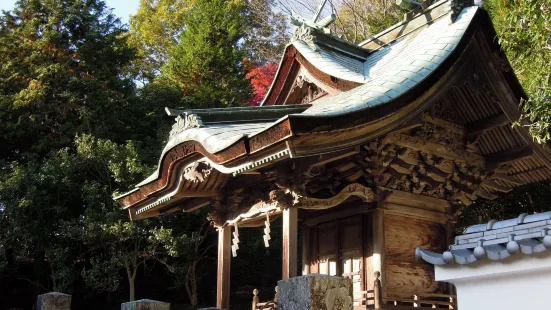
(224, 260)
(305, 251)
(377, 291)
(255, 298)
(290, 225)
(378, 235)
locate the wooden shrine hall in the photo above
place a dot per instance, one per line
(367, 151)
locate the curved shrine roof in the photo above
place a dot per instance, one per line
(383, 77)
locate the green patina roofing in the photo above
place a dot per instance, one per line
(240, 114)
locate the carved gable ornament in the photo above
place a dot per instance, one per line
(184, 122)
(304, 34)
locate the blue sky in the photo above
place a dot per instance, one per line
(121, 8)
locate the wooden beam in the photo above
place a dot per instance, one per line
(493, 185)
(290, 226)
(310, 162)
(188, 205)
(508, 178)
(479, 127)
(509, 155)
(406, 211)
(484, 194)
(224, 261)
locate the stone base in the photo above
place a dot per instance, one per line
(53, 301)
(315, 292)
(145, 304)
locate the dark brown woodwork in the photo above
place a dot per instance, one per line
(276, 133)
(509, 179)
(509, 155)
(290, 242)
(484, 194)
(478, 128)
(284, 73)
(493, 185)
(224, 261)
(188, 205)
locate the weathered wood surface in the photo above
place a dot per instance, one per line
(290, 243)
(404, 276)
(224, 261)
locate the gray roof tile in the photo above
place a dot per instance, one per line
(495, 240)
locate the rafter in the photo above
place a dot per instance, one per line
(493, 185)
(508, 178)
(510, 155)
(476, 129)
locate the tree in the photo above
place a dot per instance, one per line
(261, 79)
(207, 62)
(155, 32)
(524, 29)
(356, 20)
(266, 33)
(181, 252)
(62, 74)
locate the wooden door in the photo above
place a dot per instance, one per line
(327, 248)
(336, 248)
(350, 256)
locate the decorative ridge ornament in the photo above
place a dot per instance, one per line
(304, 34)
(305, 28)
(184, 122)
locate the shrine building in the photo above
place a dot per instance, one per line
(366, 150)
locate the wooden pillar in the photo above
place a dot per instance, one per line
(224, 261)
(290, 226)
(305, 251)
(378, 235)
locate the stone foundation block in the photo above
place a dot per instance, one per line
(53, 301)
(315, 292)
(145, 304)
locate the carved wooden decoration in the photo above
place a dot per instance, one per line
(358, 190)
(282, 199)
(184, 122)
(198, 172)
(431, 159)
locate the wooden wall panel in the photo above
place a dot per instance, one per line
(404, 275)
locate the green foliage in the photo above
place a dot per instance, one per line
(61, 73)
(155, 31)
(207, 62)
(357, 20)
(524, 28)
(530, 198)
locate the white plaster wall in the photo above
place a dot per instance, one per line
(519, 282)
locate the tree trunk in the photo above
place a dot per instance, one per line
(132, 289)
(131, 272)
(191, 284)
